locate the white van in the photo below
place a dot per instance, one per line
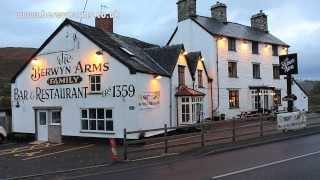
(3, 134)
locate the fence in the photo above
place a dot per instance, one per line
(199, 135)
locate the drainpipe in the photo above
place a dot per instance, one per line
(218, 81)
(170, 106)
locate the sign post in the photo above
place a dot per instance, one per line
(288, 67)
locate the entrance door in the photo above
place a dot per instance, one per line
(42, 125)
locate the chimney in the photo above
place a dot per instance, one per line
(219, 12)
(105, 23)
(186, 9)
(260, 21)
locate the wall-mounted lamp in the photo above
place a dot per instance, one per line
(202, 59)
(99, 53)
(157, 77)
(266, 45)
(245, 42)
(17, 105)
(185, 53)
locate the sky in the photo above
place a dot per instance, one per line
(294, 21)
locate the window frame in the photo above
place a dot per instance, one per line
(232, 44)
(277, 101)
(51, 119)
(256, 74)
(181, 75)
(236, 95)
(234, 72)
(275, 50)
(200, 78)
(88, 120)
(95, 84)
(276, 75)
(255, 47)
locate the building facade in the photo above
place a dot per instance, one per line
(243, 61)
(90, 82)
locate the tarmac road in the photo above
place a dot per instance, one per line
(287, 160)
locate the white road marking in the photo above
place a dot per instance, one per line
(58, 152)
(264, 165)
(154, 157)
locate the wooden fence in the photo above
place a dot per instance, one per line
(201, 134)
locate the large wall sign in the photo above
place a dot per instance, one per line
(43, 95)
(288, 64)
(64, 80)
(117, 91)
(149, 100)
(65, 68)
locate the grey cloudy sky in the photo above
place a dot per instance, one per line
(294, 21)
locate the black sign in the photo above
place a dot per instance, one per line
(64, 80)
(288, 64)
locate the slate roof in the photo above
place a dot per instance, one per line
(192, 60)
(112, 43)
(235, 30)
(166, 56)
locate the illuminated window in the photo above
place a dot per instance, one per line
(95, 83)
(232, 44)
(200, 80)
(256, 71)
(233, 99)
(276, 71)
(232, 69)
(275, 50)
(277, 97)
(255, 47)
(181, 75)
(96, 120)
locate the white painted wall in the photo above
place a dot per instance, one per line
(302, 102)
(195, 38)
(23, 117)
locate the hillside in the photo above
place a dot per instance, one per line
(11, 60)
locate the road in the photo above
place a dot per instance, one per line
(286, 160)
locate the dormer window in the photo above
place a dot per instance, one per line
(200, 80)
(181, 75)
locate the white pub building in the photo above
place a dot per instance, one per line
(87, 81)
(90, 82)
(243, 61)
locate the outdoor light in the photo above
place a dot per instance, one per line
(202, 59)
(17, 105)
(157, 77)
(99, 53)
(185, 53)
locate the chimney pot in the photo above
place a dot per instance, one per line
(186, 9)
(105, 23)
(219, 12)
(260, 21)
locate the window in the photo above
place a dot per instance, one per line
(56, 117)
(277, 97)
(97, 120)
(232, 44)
(200, 80)
(234, 99)
(95, 83)
(43, 118)
(185, 110)
(276, 72)
(181, 75)
(275, 50)
(256, 71)
(232, 68)
(255, 47)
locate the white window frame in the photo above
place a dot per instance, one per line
(192, 105)
(105, 119)
(55, 124)
(95, 83)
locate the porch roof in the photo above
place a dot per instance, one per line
(185, 91)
